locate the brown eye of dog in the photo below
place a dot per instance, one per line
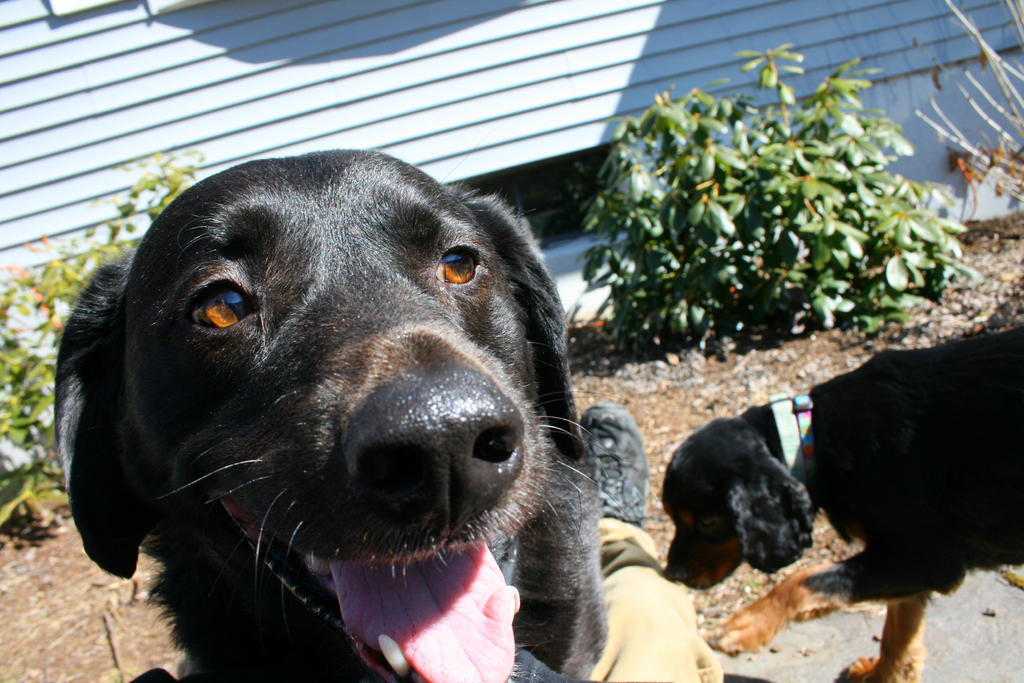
(711, 525)
(457, 267)
(223, 309)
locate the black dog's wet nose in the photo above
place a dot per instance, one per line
(435, 448)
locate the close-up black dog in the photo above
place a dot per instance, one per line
(324, 393)
(917, 454)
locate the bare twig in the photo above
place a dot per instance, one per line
(108, 627)
(1002, 165)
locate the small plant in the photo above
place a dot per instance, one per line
(716, 214)
(32, 490)
(33, 304)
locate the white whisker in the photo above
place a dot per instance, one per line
(240, 486)
(258, 564)
(207, 475)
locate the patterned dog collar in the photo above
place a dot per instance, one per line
(796, 432)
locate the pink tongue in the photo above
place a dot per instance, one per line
(452, 616)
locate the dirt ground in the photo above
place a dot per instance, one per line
(65, 620)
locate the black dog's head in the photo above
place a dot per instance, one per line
(731, 500)
(332, 358)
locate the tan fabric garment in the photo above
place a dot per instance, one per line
(652, 627)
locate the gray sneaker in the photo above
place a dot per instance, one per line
(614, 451)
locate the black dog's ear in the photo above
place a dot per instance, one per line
(536, 294)
(110, 518)
(774, 516)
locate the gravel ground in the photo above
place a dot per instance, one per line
(65, 620)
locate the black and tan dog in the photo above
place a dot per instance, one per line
(919, 454)
(320, 393)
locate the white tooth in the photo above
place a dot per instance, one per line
(393, 653)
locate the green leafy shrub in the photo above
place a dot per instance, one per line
(717, 214)
(33, 304)
(32, 490)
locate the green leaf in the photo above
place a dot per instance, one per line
(903, 233)
(720, 219)
(706, 169)
(639, 182)
(696, 213)
(918, 259)
(854, 247)
(845, 306)
(901, 146)
(712, 125)
(823, 310)
(821, 254)
(866, 196)
(928, 231)
(887, 224)
(896, 273)
(752, 64)
(819, 188)
(782, 53)
(851, 126)
(728, 157)
(697, 315)
(786, 95)
(852, 232)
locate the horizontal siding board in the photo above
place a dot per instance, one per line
(394, 85)
(62, 215)
(387, 49)
(392, 91)
(156, 111)
(14, 12)
(27, 147)
(490, 139)
(132, 50)
(383, 36)
(468, 94)
(37, 36)
(133, 21)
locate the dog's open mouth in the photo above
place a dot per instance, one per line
(448, 618)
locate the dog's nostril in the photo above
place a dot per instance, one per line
(496, 445)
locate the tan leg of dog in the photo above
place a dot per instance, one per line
(901, 658)
(754, 627)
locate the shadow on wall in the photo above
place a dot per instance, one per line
(270, 31)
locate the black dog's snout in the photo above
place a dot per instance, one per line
(436, 447)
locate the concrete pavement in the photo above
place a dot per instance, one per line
(975, 634)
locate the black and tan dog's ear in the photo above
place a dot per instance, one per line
(110, 518)
(774, 516)
(541, 309)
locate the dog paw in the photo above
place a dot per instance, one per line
(861, 671)
(743, 632)
(890, 670)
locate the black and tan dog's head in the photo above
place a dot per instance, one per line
(731, 500)
(332, 355)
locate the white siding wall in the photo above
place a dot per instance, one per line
(460, 87)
